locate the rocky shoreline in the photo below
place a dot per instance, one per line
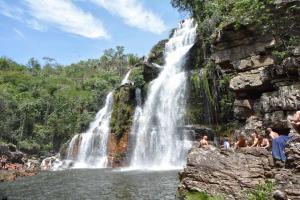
(15, 163)
(233, 174)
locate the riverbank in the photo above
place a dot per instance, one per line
(14, 163)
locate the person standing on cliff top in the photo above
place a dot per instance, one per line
(204, 141)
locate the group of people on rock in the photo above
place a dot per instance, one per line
(270, 140)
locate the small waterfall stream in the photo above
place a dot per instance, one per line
(158, 144)
(89, 149)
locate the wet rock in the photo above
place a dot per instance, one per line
(49, 162)
(32, 164)
(150, 72)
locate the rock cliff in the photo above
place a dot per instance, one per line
(263, 67)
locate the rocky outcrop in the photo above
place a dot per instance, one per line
(235, 174)
(13, 155)
(156, 54)
(266, 85)
(264, 71)
(121, 121)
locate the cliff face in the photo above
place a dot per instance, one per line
(121, 120)
(264, 71)
(267, 89)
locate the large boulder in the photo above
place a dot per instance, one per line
(10, 150)
(232, 174)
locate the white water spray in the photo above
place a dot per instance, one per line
(158, 143)
(89, 149)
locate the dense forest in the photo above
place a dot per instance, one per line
(42, 106)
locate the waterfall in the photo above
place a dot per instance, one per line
(89, 149)
(92, 145)
(126, 78)
(158, 143)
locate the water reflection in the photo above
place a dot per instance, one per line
(101, 184)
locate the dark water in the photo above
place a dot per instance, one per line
(93, 184)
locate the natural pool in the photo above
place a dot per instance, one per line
(102, 184)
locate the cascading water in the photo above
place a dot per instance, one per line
(92, 145)
(126, 78)
(158, 143)
(89, 149)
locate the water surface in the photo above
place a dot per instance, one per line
(102, 184)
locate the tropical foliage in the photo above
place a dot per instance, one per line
(42, 106)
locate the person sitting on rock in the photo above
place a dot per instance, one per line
(255, 139)
(264, 142)
(204, 141)
(295, 121)
(226, 144)
(242, 142)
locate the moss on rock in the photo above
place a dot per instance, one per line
(156, 54)
(123, 108)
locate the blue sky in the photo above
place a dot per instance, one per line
(73, 30)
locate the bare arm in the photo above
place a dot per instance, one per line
(267, 144)
(254, 143)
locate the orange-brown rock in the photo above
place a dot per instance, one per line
(117, 149)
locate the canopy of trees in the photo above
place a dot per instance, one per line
(43, 106)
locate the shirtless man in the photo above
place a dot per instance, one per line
(264, 142)
(295, 121)
(204, 141)
(255, 139)
(272, 133)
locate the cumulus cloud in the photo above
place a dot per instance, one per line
(134, 14)
(66, 16)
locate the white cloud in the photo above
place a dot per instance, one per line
(36, 25)
(134, 14)
(19, 33)
(63, 14)
(11, 11)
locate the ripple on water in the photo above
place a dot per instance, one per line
(94, 184)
